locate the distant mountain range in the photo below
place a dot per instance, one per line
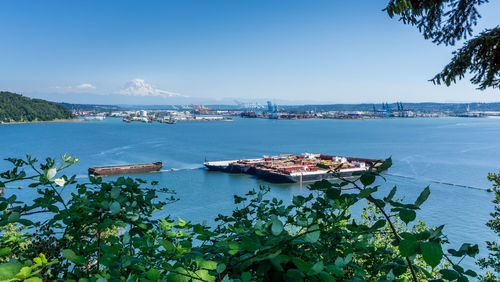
(18, 108)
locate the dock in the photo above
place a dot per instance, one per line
(288, 168)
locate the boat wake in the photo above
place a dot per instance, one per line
(438, 182)
(180, 169)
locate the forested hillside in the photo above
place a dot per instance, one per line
(17, 108)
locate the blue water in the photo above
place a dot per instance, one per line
(455, 150)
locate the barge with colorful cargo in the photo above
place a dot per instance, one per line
(287, 168)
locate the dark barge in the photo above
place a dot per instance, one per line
(125, 169)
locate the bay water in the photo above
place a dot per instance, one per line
(425, 151)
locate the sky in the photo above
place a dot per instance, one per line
(201, 51)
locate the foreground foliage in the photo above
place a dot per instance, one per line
(492, 262)
(447, 22)
(100, 231)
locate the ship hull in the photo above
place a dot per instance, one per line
(230, 166)
(125, 169)
(275, 177)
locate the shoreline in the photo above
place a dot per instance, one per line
(45, 121)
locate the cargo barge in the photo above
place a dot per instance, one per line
(295, 168)
(125, 169)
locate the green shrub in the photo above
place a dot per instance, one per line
(106, 230)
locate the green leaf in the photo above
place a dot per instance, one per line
(71, 256)
(473, 250)
(24, 272)
(126, 238)
(9, 270)
(169, 246)
(324, 276)
(313, 236)
(204, 275)
(424, 235)
(385, 165)
(449, 274)
(12, 199)
(294, 275)
(437, 232)
(367, 179)
(153, 274)
(408, 247)
(340, 262)
(25, 222)
(471, 273)
(322, 166)
(208, 264)
(316, 268)
(44, 259)
(182, 222)
(53, 208)
(115, 208)
(333, 193)
(276, 227)
(379, 224)
(432, 253)
(458, 268)
(407, 215)
(33, 279)
(198, 229)
(399, 269)
(423, 196)
(321, 185)
(220, 268)
(179, 275)
(348, 258)
(391, 194)
(366, 192)
(14, 217)
(115, 192)
(246, 276)
(336, 269)
(4, 251)
(233, 247)
(302, 265)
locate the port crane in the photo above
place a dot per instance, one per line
(199, 109)
(248, 106)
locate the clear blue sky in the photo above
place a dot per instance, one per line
(152, 51)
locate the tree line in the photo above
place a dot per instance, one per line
(18, 108)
